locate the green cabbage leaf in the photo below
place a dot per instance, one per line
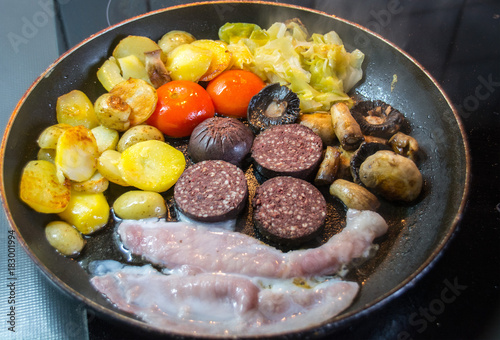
(316, 67)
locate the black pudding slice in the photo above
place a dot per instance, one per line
(211, 191)
(288, 210)
(287, 150)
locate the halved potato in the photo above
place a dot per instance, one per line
(75, 108)
(140, 96)
(188, 62)
(95, 184)
(152, 165)
(133, 67)
(76, 154)
(87, 212)
(106, 138)
(41, 189)
(221, 57)
(49, 137)
(134, 45)
(109, 74)
(107, 165)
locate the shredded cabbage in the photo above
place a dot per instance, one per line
(316, 67)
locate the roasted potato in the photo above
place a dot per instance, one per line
(137, 205)
(107, 165)
(133, 67)
(112, 112)
(41, 189)
(49, 137)
(65, 238)
(76, 154)
(188, 62)
(152, 165)
(106, 138)
(75, 108)
(88, 212)
(221, 57)
(139, 133)
(95, 184)
(129, 103)
(46, 155)
(170, 40)
(134, 45)
(109, 74)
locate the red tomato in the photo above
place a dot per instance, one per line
(182, 105)
(232, 90)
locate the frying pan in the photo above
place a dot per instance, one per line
(418, 233)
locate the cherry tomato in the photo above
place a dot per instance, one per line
(181, 106)
(232, 90)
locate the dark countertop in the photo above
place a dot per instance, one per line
(457, 42)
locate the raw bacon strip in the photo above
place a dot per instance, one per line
(223, 304)
(199, 249)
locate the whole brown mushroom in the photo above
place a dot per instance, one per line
(393, 176)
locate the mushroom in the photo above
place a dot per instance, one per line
(321, 123)
(353, 195)
(377, 118)
(329, 166)
(345, 127)
(393, 176)
(364, 151)
(157, 72)
(275, 104)
(404, 145)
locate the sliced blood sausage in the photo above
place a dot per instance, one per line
(211, 191)
(288, 210)
(287, 150)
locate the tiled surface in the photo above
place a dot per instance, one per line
(455, 40)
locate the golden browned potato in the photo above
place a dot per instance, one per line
(133, 67)
(76, 154)
(88, 212)
(107, 165)
(221, 57)
(188, 62)
(75, 108)
(95, 184)
(152, 165)
(112, 112)
(41, 189)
